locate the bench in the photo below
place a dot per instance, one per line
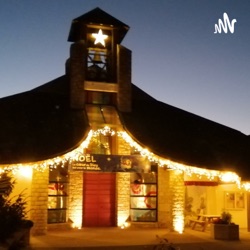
(194, 222)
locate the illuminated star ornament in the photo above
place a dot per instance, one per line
(99, 37)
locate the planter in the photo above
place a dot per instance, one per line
(20, 238)
(225, 231)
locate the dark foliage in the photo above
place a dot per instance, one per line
(12, 210)
(226, 218)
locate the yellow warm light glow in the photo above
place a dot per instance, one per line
(189, 170)
(25, 171)
(162, 162)
(100, 37)
(178, 222)
(125, 225)
(246, 186)
(229, 177)
(178, 204)
(178, 216)
(121, 221)
(104, 131)
(19, 169)
(77, 219)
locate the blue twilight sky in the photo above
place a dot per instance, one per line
(177, 58)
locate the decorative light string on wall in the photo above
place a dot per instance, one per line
(162, 162)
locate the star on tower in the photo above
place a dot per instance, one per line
(100, 37)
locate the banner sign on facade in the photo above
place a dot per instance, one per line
(110, 163)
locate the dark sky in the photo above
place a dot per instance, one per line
(176, 56)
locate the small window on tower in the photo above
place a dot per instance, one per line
(104, 98)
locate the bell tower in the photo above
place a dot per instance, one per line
(99, 67)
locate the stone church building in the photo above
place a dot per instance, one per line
(91, 149)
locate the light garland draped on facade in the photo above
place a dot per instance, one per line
(162, 162)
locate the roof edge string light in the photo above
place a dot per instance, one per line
(189, 170)
(53, 162)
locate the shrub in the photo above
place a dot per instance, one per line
(12, 210)
(226, 218)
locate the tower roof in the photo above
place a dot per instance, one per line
(98, 17)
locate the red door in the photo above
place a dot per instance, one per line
(99, 200)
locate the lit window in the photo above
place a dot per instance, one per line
(143, 197)
(57, 195)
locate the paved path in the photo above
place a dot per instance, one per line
(134, 239)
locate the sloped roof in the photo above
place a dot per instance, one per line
(96, 16)
(39, 124)
(186, 138)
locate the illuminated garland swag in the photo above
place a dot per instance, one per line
(189, 170)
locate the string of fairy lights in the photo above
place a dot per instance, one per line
(162, 162)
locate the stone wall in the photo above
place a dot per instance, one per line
(75, 198)
(123, 197)
(123, 148)
(171, 198)
(39, 201)
(164, 198)
(76, 66)
(177, 199)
